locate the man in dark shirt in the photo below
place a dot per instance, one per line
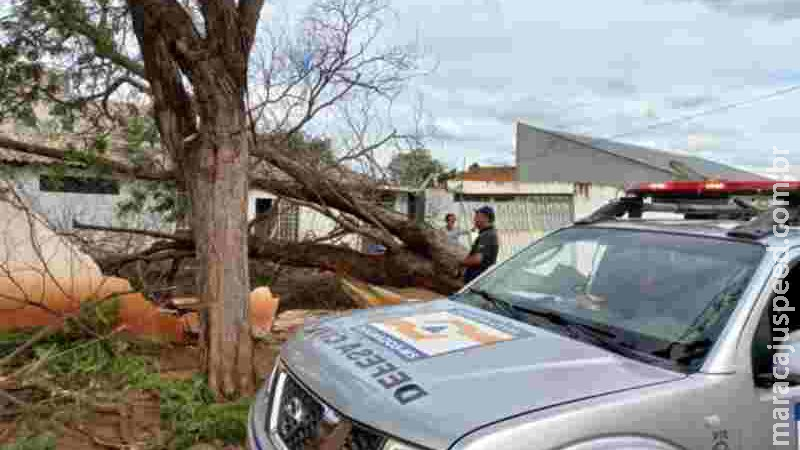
(486, 247)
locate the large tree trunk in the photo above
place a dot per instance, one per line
(205, 131)
(219, 223)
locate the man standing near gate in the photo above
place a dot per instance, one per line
(486, 247)
(453, 234)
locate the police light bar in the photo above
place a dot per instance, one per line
(713, 188)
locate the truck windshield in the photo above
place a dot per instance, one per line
(652, 295)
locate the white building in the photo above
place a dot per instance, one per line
(524, 211)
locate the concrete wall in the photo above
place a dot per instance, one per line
(544, 157)
(61, 208)
(587, 197)
(537, 209)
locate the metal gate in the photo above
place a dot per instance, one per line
(522, 219)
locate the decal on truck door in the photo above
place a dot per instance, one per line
(426, 335)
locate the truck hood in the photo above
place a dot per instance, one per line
(432, 372)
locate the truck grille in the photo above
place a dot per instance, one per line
(298, 420)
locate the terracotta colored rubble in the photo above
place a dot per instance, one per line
(44, 277)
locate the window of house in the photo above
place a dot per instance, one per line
(80, 185)
(263, 205)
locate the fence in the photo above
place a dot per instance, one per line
(521, 220)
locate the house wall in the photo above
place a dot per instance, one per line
(536, 208)
(543, 157)
(314, 224)
(61, 208)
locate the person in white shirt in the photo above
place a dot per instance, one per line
(453, 233)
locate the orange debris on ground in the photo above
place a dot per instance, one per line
(139, 316)
(263, 307)
(44, 277)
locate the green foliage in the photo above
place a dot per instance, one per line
(188, 410)
(80, 36)
(10, 340)
(319, 148)
(414, 167)
(99, 316)
(188, 405)
(146, 197)
(140, 132)
(45, 441)
(74, 364)
(262, 280)
(159, 198)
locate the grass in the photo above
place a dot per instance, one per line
(45, 441)
(108, 369)
(188, 407)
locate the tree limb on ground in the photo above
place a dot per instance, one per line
(399, 268)
(424, 253)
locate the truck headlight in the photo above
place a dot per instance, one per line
(391, 444)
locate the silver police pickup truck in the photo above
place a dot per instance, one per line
(619, 332)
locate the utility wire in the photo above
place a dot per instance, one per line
(586, 120)
(707, 112)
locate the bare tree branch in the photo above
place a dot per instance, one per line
(149, 233)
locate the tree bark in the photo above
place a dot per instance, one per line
(205, 130)
(400, 268)
(218, 195)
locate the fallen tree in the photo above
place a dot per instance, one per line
(399, 267)
(416, 255)
(225, 122)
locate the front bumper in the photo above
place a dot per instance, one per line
(257, 438)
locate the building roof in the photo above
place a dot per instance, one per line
(658, 159)
(16, 130)
(489, 173)
(10, 156)
(18, 158)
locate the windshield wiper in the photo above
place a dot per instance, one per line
(598, 336)
(685, 353)
(498, 303)
(557, 319)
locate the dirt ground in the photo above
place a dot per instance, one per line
(131, 423)
(182, 362)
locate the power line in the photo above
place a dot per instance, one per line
(707, 112)
(585, 120)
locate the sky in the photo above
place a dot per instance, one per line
(608, 69)
(658, 73)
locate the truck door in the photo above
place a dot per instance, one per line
(776, 399)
